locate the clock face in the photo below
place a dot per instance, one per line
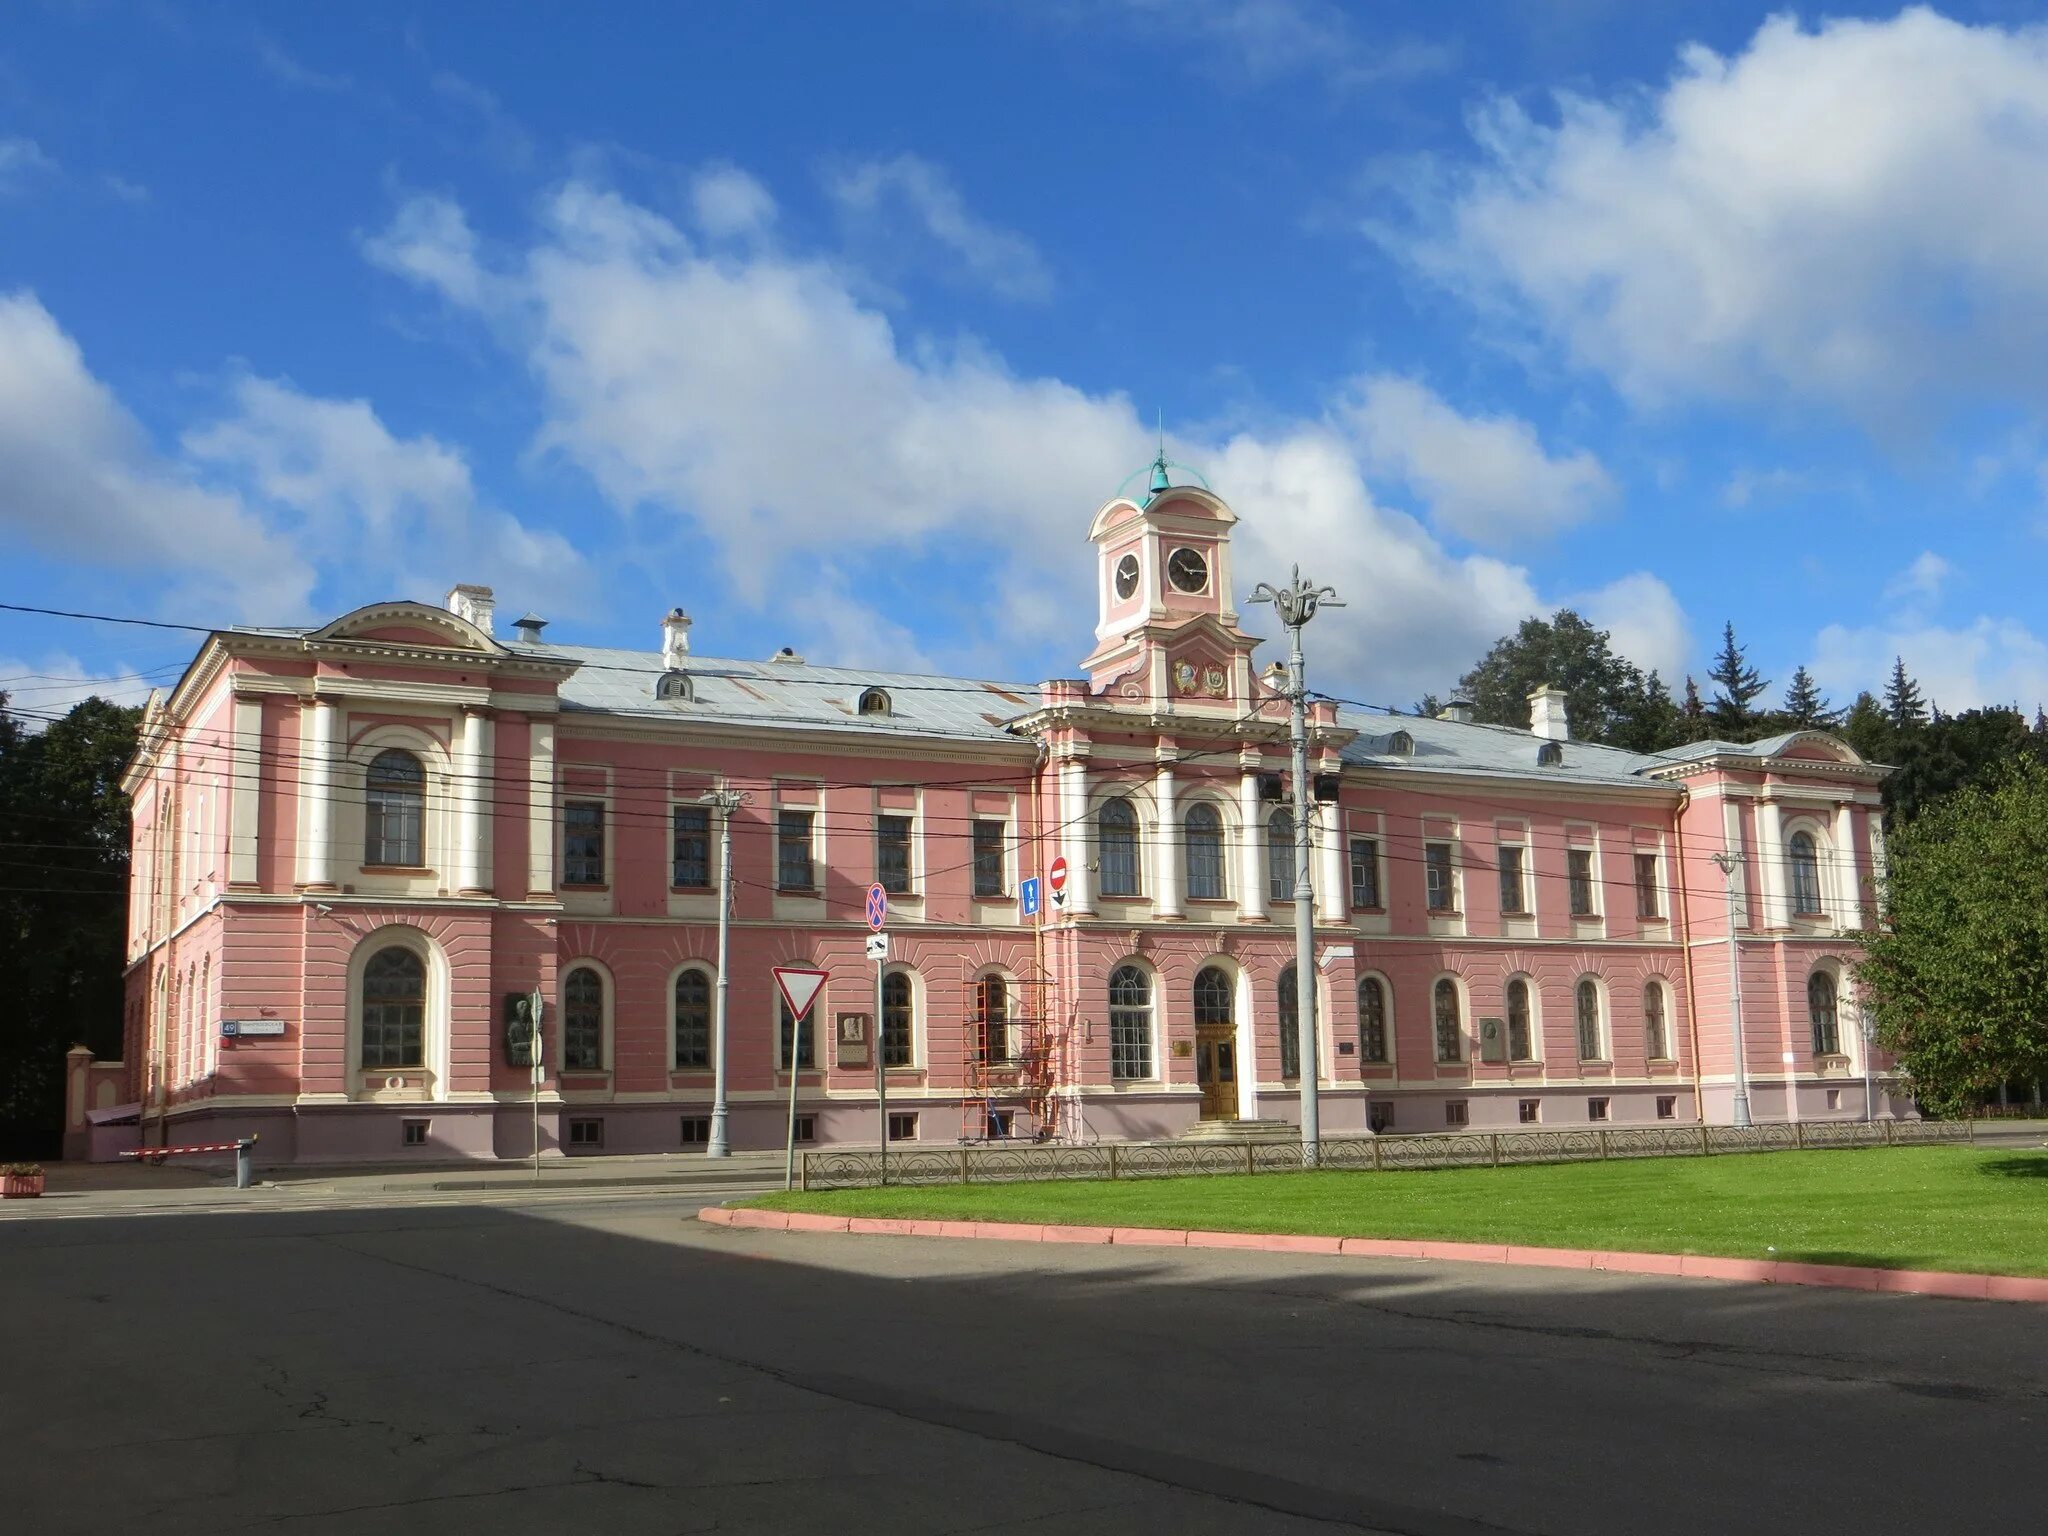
(1187, 570)
(1126, 576)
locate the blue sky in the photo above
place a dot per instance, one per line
(833, 324)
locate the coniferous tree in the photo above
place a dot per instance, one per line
(1806, 707)
(1866, 728)
(1903, 705)
(1694, 711)
(1740, 684)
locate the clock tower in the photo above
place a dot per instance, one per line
(1166, 629)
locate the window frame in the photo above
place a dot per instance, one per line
(593, 1028)
(896, 1038)
(676, 836)
(1511, 860)
(1384, 1024)
(1443, 987)
(896, 833)
(1649, 882)
(805, 1031)
(1440, 865)
(1803, 874)
(991, 864)
(1585, 987)
(1581, 881)
(571, 832)
(417, 1027)
(1365, 894)
(378, 800)
(1280, 877)
(1206, 855)
(1657, 1044)
(704, 974)
(1829, 1044)
(1531, 1030)
(791, 839)
(1287, 1013)
(1131, 1024)
(1119, 869)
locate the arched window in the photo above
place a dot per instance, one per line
(583, 1021)
(394, 800)
(1588, 996)
(674, 685)
(873, 701)
(693, 1020)
(992, 1013)
(1550, 755)
(1401, 744)
(1289, 1013)
(1820, 1007)
(1280, 855)
(1130, 1023)
(897, 1010)
(1372, 1019)
(1805, 859)
(1205, 854)
(1521, 1039)
(806, 1057)
(1656, 1036)
(1213, 997)
(394, 1009)
(1450, 1027)
(1116, 831)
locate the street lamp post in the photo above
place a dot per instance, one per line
(1729, 862)
(725, 802)
(1296, 603)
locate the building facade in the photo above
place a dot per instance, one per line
(359, 849)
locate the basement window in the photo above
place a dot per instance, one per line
(1667, 1106)
(1596, 1109)
(903, 1127)
(586, 1133)
(415, 1132)
(1457, 1112)
(696, 1130)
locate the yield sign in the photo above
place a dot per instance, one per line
(799, 984)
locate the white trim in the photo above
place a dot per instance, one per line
(607, 1061)
(434, 1030)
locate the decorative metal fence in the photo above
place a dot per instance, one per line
(861, 1168)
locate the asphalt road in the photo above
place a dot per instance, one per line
(614, 1366)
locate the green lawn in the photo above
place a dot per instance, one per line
(1949, 1208)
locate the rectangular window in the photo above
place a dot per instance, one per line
(902, 1127)
(696, 1131)
(692, 862)
(1579, 865)
(1646, 885)
(807, 1128)
(1529, 1111)
(1365, 874)
(1457, 1112)
(793, 851)
(1380, 1117)
(988, 858)
(1511, 902)
(892, 854)
(1436, 871)
(1667, 1106)
(586, 1133)
(416, 1133)
(583, 842)
(1596, 1109)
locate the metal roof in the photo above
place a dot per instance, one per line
(1492, 751)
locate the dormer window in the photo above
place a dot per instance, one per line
(1126, 577)
(1188, 570)
(674, 685)
(1550, 755)
(873, 701)
(1401, 744)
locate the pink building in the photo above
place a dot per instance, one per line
(358, 846)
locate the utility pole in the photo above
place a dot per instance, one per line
(725, 802)
(1730, 861)
(1296, 604)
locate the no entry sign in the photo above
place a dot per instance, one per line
(1056, 876)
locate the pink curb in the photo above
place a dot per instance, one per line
(1900, 1282)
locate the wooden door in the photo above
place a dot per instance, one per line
(1216, 1072)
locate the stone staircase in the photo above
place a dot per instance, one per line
(1241, 1130)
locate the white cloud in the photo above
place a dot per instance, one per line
(83, 483)
(1645, 623)
(21, 162)
(1847, 214)
(1486, 478)
(282, 67)
(728, 202)
(759, 400)
(884, 197)
(1921, 581)
(40, 690)
(1990, 661)
(1257, 41)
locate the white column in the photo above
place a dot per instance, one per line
(245, 791)
(1251, 896)
(1074, 835)
(1770, 860)
(1839, 879)
(540, 814)
(316, 786)
(471, 804)
(1168, 885)
(1333, 875)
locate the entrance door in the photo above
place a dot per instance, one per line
(1216, 1071)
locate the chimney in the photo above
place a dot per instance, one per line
(528, 629)
(1547, 716)
(1459, 710)
(472, 603)
(675, 640)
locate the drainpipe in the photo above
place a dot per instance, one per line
(1692, 1012)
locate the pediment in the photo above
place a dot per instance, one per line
(1180, 505)
(409, 624)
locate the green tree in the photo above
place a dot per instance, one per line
(63, 907)
(1865, 727)
(1806, 707)
(1951, 752)
(1693, 712)
(1652, 721)
(1903, 705)
(1740, 686)
(1601, 688)
(1956, 970)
